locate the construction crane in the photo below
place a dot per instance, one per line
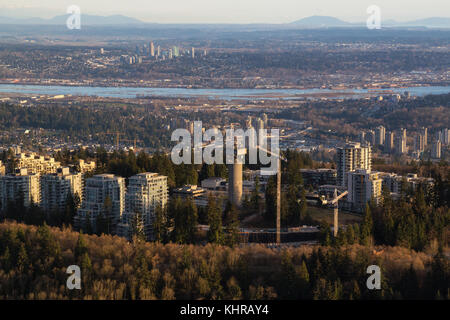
(335, 202)
(117, 138)
(279, 158)
(117, 134)
(134, 141)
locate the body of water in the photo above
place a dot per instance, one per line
(221, 94)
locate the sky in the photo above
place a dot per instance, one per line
(230, 11)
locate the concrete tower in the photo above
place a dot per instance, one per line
(424, 132)
(389, 143)
(152, 49)
(235, 178)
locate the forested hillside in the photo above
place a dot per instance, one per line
(33, 263)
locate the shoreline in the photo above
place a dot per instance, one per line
(162, 84)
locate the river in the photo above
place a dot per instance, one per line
(220, 94)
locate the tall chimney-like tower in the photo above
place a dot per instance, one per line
(235, 178)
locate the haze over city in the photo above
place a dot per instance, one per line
(230, 11)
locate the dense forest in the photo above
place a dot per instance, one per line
(90, 122)
(34, 260)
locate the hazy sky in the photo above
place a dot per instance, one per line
(230, 11)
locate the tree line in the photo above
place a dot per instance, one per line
(33, 263)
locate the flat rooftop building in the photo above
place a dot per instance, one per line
(35, 163)
(351, 157)
(56, 187)
(20, 184)
(104, 195)
(145, 192)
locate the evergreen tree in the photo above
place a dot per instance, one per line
(175, 218)
(254, 199)
(191, 221)
(101, 224)
(341, 238)
(159, 225)
(22, 262)
(6, 260)
(419, 205)
(325, 234)
(185, 221)
(292, 215)
(271, 200)
(221, 171)
(80, 248)
(246, 206)
(366, 227)
(215, 233)
(289, 278)
(71, 206)
(409, 283)
(350, 234)
(304, 285)
(355, 292)
(303, 205)
(232, 224)
(87, 228)
(137, 227)
(86, 270)
(49, 250)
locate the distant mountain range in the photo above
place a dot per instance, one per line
(430, 22)
(320, 22)
(309, 22)
(328, 22)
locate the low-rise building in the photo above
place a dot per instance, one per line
(396, 183)
(327, 190)
(318, 177)
(213, 183)
(86, 166)
(34, 163)
(196, 193)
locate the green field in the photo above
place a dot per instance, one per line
(317, 213)
(326, 214)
